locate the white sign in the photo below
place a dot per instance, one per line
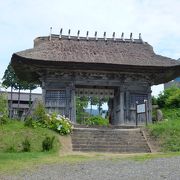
(141, 108)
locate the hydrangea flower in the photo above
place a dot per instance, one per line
(59, 127)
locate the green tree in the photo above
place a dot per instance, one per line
(169, 98)
(93, 101)
(154, 100)
(3, 108)
(81, 104)
(9, 80)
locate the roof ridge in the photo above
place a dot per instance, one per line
(82, 38)
(121, 39)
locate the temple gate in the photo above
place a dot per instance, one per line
(122, 69)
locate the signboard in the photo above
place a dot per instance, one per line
(141, 108)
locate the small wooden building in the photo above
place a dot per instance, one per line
(122, 69)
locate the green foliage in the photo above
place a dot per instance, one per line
(154, 100)
(47, 143)
(168, 131)
(26, 146)
(169, 98)
(97, 120)
(59, 123)
(3, 108)
(11, 149)
(40, 113)
(9, 78)
(28, 122)
(14, 132)
(81, 104)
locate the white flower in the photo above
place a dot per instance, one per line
(58, 117)
(59, 127)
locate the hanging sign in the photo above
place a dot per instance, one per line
(141, 108)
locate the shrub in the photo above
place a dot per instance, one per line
(11, 149)
(47, 143)
(26, 145)
(169, 98)
(3, 109)
(154, 100)
(40, 113)
(97, 120)
(59, 123)
(29, 122)
(167, 132)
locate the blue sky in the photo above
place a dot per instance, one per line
(21, 21)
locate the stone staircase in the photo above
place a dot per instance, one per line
(119, 140)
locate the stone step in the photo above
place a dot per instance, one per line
(106, 136)
(120, 150)
(96, 141)
(107, 127)
(108, 143)
(109, 140)
(109, 147)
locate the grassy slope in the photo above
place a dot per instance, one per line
(14, 133)
(168, 131)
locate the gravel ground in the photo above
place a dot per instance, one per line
(155, 169)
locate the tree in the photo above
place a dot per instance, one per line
(93, 101)
(169, 98)
(9, 80)
(154, 100)
(81, 103)
(3, 108)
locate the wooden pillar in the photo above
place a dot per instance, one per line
(67, 108)
(127, 106)
(73, 105)
(43, 92)
(121, 115)
(118, 108)
(114, 111)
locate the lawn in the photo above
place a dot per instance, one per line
(14, 133)
(167, 132)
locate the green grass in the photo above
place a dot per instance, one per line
(15, 162)
(167, 132)
(14, 133)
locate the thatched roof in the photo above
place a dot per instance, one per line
(100, 53)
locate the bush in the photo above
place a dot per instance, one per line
(3, 108)
(59, 123)
(97, 120)
(29, 122)
(40, 113)
(170, 98)
(154, 100)
(167, 132)
(47, 143)
(11, 149)
(26, 145)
